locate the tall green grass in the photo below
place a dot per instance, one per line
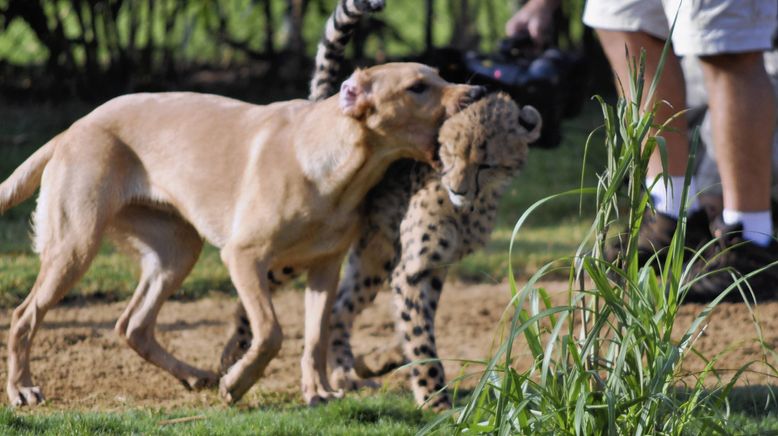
(606, 362)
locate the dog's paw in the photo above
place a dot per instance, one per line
(232, 387)
(27, 396)
(226, 393)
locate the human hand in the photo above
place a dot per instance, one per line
(534, 18)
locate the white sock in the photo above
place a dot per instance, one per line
(667, 200)
(757, 226)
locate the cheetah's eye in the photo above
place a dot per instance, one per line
(418, 87)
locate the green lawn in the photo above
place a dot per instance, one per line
(385, 414)
(754, 412)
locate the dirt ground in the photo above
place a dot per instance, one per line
(82, 364)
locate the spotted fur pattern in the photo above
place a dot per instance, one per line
(337, 32)
(413, 231)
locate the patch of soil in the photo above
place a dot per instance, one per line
(81, 363)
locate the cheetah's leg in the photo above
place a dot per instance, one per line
(369, 263)
(415, 306)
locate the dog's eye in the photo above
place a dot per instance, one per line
(418, 88)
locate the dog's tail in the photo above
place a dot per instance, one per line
(26, 179)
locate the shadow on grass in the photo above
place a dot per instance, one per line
(356, 410)
(758, 400)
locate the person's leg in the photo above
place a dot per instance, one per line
(671, 93)
(742, 109)
(729, 36)
(670, 89)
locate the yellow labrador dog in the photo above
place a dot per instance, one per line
(274, 186)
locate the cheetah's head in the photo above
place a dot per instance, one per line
(485, 145)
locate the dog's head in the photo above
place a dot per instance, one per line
(404, 104)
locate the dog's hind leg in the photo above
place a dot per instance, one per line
(57, 275)
(68, 239)
(167, 247)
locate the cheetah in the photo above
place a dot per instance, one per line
(419, 223)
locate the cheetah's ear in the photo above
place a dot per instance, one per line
(354, 95)
(530, 119)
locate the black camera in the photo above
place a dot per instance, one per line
(552, 80)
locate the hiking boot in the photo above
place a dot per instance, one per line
(730, 258)
(657, 230)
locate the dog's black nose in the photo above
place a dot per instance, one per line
(476, 92)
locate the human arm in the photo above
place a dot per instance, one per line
(534, 18)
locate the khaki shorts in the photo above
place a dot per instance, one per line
(704, 27)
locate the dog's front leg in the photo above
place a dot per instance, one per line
(319, 296)
(248, 271)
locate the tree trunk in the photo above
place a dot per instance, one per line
(295, 43)
(269, 28)
(429, 16)
(465, 35)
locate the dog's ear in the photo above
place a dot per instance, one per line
(354, 95)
